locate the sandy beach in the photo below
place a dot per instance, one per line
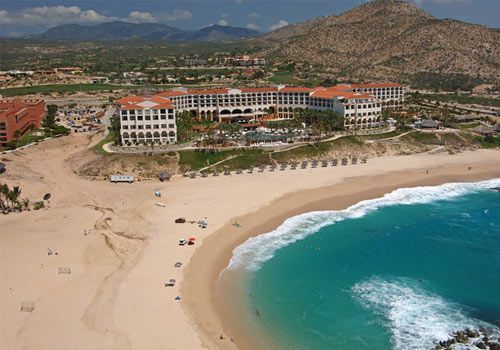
(115, 296)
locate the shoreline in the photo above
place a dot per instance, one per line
(216, 316)
(115, 297)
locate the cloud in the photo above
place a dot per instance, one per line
(223, 22)
(252, 26)
(281, 23)
(141, 17)
(176, 15)
(52, 15)
(254, 15)
(49, 16)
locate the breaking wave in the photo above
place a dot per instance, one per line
(257, 250)
(415, 318)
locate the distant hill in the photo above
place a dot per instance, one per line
(221, 33)
(388, 39)
(143, 31)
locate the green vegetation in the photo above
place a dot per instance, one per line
(427, 138)
(315, 150)
(111, 137)
(489, 141)
(60, 88)
(465, 126)
(463, 99)
(193, 160)
(50, 129)
(184, 123)
(246, 158)
(385, 135)
(10, 199)
(284, 77)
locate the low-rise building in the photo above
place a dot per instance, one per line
(18, 116)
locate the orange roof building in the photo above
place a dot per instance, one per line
(152, 119)
(17, 116)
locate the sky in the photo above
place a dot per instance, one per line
(21, 17)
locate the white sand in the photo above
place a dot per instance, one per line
(114, 298)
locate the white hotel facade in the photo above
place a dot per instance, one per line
(153, 119)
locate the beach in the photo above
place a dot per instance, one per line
(115, 296)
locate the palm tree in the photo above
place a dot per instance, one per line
(4, 190)
(14, 195)
(25, 203)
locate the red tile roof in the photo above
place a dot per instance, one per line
(374, 85)
(129, 99)
(208, 91)
(296, 89)
(259, 89)
(170, 93)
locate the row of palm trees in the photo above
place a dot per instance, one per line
(10, 200)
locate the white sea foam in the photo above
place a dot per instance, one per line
(416, 319)
(257, 250)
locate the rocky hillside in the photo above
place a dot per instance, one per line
(388, 39)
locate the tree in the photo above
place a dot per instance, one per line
(184, 125)
(115, 129)
(17, 136)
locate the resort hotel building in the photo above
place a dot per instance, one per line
(152, 119)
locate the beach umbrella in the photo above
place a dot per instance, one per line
(172, 280)
(192, 239)
(46, 197)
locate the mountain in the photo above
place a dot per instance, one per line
(143, 31)
(387, 39)
(111, 31)
(221, 33)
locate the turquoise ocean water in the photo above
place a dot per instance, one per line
(399, 272)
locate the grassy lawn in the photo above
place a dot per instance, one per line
(45, 89)
(464, 99)
(315, 150)
(421, 137)
(191, 160)
(385, 135)
(28, 138)
(495, 142)
(110, 138)
(465, 125)
(247, 158)
(283, 77)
